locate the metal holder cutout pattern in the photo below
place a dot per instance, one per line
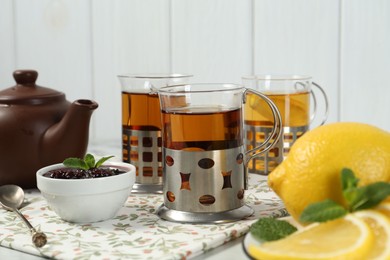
(265, 163)
(204, 186)
(143, 150)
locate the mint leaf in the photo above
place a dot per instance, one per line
(373, 194)
(102, 160)
(355, 197)
(364, 197)
(87, 163)
(270, 229)
(351, 193)
(75, 163)
(89, 160)
(322, 211)
(348, 179)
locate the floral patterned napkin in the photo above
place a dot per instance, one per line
(135, 233)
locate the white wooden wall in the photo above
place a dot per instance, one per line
(80, 46)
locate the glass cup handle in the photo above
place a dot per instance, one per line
(276, 130)
(326, 114)
(268, 143)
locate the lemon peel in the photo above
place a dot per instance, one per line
(310, 173)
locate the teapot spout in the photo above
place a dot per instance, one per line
(69, 137)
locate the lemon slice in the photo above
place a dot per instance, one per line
(344, 238)
(293, 107)
(380, 225)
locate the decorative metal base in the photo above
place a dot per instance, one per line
(204, 217)
(267, 162)
(143, 150)
(147, 188)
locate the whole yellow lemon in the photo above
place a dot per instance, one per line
(311, 171)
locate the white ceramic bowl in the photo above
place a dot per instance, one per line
(87, 200)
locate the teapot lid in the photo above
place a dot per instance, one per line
(26, 92)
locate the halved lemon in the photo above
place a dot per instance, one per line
(345, 238)
(380, 225)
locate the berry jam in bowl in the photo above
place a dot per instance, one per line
(86, 196)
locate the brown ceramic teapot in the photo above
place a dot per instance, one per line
(38, 127)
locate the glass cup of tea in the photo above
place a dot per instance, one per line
(292, 95)
(141, 126)
(204, 153)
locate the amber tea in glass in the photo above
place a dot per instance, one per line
(204, 156)
(140, 111)
(202, 129)
(141, 127)
(292, 96)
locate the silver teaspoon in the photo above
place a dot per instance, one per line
(11, 198)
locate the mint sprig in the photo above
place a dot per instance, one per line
(356, 198)
(322, 211)
(270, 229)
(85, 164)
